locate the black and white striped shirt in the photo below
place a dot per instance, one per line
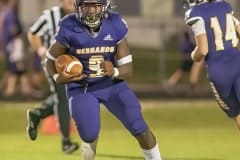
(46, 25)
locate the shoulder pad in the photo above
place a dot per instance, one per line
(193, 20)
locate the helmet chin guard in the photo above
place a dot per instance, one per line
(191, 3)
(92, 20)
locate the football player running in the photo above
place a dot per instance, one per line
(97, 37)
(217, 33)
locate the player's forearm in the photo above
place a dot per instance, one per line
(37, 45)
(35, 41)
(55, 50)
(61, 77)
(201, 49)
(50, 59)
(238, 30)
(237, 25)
(50, 67)
(196, 55)
(125, 71)
(124, 61)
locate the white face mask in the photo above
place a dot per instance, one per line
(92, 14)
(195, 2)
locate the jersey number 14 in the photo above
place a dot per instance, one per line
(230, 35)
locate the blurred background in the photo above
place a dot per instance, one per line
(174, 92)
(158, 39)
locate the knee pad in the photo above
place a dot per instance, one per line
(88, 134)
(89, 138)
(138, 127)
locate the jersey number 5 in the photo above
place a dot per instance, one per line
(95, 66)
(230, 35)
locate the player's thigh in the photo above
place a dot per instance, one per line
(85, 111)
(229, 104)
(124, 104)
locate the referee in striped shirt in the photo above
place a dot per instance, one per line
(40, 36)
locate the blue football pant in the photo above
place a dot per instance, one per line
(119, 100)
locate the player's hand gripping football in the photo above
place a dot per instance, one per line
(65, 77)
(69, 69)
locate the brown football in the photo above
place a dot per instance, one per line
(69, 63)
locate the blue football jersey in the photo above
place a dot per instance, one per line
(91, 49)
(219, 26)
(217, 21)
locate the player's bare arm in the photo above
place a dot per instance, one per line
(55, 50)
(201, 48)
(198, 27)
(124, 62)
(36, 43)
(238, 30)
(237, 25)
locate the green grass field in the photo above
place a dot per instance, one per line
(186, 130)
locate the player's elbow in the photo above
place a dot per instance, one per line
(197, 55)
(202, 45)
(126, 71)
(129, 73)
(197, 59)
(203, 50)
(238, 30)
(50, 66)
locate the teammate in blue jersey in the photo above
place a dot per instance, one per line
(217, 33)
(97, 37)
